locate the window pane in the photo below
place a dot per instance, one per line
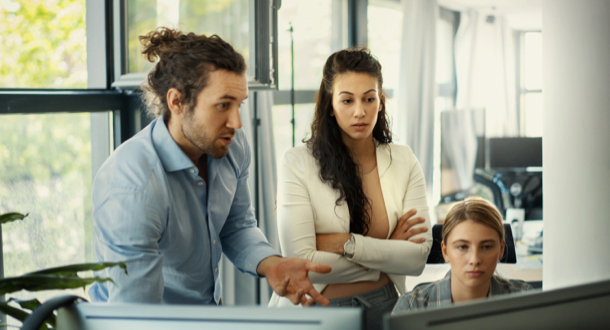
(227, 18)
(533, 60)
(384, 35)
(311, 21)
(533, 114)
(43, 44)
(45, 170)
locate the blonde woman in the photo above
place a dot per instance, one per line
(473, 243)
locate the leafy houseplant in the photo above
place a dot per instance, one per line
(65, 277)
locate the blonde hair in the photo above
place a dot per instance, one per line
(476, 209)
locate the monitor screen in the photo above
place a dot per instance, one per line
(578, 307)
(515, 152)
(101, 316)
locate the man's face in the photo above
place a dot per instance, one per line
(211, 124)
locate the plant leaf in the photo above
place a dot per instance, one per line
(14, 312)
(8, 217)
(33, 304)
(27, 304)
(72, 270)
(39, 282)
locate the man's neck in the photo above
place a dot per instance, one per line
(175, 131)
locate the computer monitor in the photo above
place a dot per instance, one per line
(577, 307)
(515, 152)
(101, 316)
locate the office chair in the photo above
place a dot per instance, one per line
(436, 254)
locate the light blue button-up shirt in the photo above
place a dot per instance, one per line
(151, 210)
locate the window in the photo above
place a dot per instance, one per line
(313, 42)
(248, 25)
(530, 96)
(446, 28)
(43, 45)
(55, 129)
(384, 35)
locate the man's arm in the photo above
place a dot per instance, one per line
(127, 229)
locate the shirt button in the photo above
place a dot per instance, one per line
(200, 183)
(214, 242)
(192, 170)
(215, 270)
(250, 265)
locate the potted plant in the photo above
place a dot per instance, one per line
(64, 277)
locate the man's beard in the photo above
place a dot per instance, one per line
(204, 142)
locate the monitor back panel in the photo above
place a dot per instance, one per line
(95, 316)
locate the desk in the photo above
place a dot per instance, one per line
(528, 267)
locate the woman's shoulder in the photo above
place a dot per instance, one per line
(298, 154)
(503, 286)
(396, 150)
(299, 159)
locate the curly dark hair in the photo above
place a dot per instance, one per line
(337, 167)
(184, 63)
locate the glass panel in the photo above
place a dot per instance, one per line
(282, 128)
(44, 44)
(533, 60)
(533, 114)
(384, 34)
(45, 170)
(311, 22)
(227, 18)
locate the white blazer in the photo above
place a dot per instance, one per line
(306, 207)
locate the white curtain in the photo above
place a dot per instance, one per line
(239, 288)
(485, 67)
(459, 131)
(414, 117)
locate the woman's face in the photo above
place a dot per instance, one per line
(473, 250)
(356, 104)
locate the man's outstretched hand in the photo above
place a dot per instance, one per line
(289, 278)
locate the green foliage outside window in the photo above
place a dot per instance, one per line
(45, 159)
(44, 44)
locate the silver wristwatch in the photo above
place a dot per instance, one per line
(349, 248)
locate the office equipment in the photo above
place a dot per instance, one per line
(515, 152)
(101, 316)
(436, 254)
(577, 307)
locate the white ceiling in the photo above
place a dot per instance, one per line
(521, 14)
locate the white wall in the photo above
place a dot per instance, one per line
(576, 156)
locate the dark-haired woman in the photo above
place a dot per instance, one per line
(350, 198)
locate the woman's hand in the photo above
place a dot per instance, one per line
(403, 230)
(332, 243)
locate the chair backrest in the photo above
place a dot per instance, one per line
(436, 255)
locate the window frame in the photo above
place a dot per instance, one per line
(263, 21)
(522, 91)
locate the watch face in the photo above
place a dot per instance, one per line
(349, 248)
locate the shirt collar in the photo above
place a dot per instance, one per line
(170, 154)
